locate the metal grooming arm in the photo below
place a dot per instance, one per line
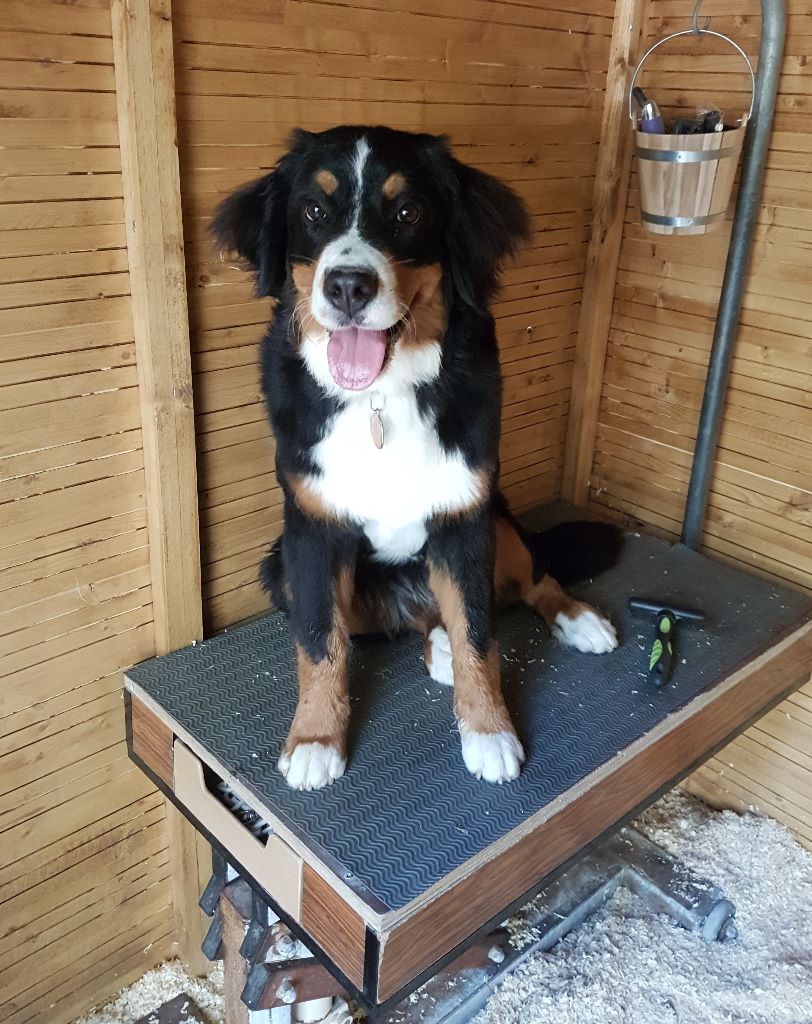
(756, 144)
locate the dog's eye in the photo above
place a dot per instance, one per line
(408, 214)
(315, 212)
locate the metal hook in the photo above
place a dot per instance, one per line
(695, 20)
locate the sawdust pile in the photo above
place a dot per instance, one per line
(156, 988)
(630, 966)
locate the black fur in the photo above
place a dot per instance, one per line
(392, 597)
(312, 556)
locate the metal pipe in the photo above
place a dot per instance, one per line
(756, 144)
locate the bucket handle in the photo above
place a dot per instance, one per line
(695, 32)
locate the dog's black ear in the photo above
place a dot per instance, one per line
(489, 221)
(253, 222)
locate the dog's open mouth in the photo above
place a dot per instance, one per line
(356, 355)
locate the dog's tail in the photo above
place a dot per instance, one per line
(571, 552)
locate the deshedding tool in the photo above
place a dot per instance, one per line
(661, 654)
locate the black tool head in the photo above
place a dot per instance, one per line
(654, 606)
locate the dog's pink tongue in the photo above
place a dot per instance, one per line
(355, 356)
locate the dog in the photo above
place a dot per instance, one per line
(381, 376)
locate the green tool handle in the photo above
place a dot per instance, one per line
(661, 656)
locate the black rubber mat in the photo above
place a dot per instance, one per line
(407, 813)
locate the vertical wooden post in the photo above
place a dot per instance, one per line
(608, 211)
(145, 89)
(235, 967)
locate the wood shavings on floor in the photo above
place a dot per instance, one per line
(627, 965)
(156, 988)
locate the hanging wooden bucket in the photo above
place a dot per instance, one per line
(686, 180)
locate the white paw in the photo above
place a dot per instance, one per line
(588, 632)
(312, 766)
(438, 657)
(492, 756)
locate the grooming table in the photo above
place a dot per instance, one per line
(389, 874)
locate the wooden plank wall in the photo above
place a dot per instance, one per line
(665, 298)
(518, 87)
(84, 892)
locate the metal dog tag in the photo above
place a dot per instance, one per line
(375, 421)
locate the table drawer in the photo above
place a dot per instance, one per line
(273, 864)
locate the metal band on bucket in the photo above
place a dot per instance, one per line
(680, 222)
(684, 156)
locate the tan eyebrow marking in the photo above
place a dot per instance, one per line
(327, 181)
(394, 183)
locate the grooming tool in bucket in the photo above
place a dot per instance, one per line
(686, 179)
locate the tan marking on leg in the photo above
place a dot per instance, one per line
(426, 649)
(478, 700)
(513, 565)
(549, 600)
(424, 625)
(326, 181)
(323, 709)
(360, 620)
(575, 623)
(393, 185)
(419, 290)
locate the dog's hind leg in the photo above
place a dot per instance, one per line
(517, 573)
(574, 623)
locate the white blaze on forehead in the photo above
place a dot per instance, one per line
(362, 151)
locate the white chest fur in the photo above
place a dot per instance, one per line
(394, 490)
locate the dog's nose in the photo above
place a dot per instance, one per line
(350, 289)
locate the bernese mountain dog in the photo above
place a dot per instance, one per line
(381, 374)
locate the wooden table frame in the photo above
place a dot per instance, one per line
(382, 956)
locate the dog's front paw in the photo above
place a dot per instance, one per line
(586, 630)
(312, 766)
(493, 756)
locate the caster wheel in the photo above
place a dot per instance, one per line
(720, 924)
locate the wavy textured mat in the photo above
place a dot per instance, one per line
(407, 813)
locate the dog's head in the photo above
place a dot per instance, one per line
(373, 235)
